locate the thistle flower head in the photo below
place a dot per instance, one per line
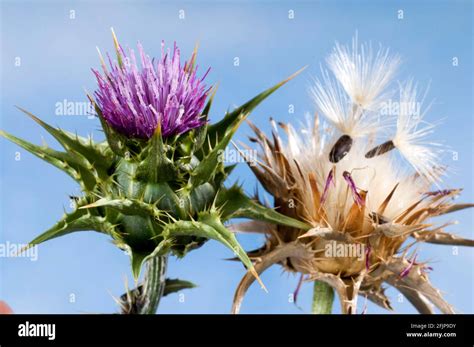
(369, 204)
(356, 196)
(158, 196)
(134, 99)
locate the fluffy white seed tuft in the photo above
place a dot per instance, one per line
(412, 133)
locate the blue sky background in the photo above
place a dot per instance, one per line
(56, 56)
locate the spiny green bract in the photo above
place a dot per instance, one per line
(159, 195)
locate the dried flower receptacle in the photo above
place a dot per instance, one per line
(353, 193)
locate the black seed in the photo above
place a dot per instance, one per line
(380, 149)
(340, 148)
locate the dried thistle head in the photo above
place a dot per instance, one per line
(367, 208)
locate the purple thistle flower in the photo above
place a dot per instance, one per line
(133, 100)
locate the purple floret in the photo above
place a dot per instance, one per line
(134, 99)
(350, 181)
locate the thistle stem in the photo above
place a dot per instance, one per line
(146, 297)
(323, 298)
(154, 284)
